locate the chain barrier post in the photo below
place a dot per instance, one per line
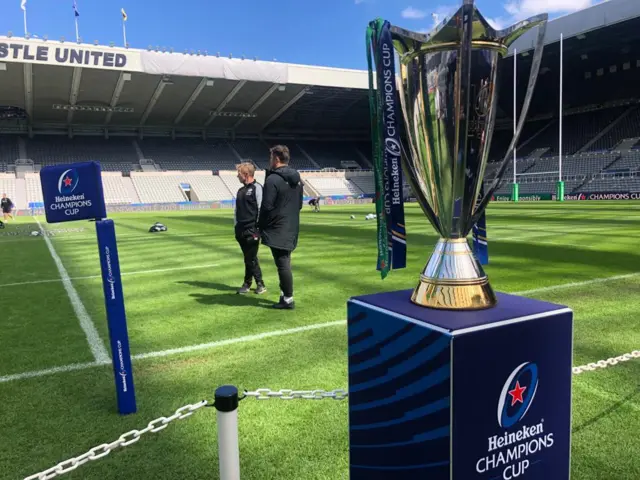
(226, 403)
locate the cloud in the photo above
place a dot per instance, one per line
(413, 13)
(358, 2)
(521, 9)
(498, 22)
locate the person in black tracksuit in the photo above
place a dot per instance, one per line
(280, 218)
(6, 205)
(248, 201)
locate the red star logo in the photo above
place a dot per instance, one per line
(67, 182)
(516, 394)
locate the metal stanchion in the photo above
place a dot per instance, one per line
(226, 403)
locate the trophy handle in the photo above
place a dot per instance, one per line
(512, 34)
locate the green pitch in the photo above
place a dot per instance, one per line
(180, 292)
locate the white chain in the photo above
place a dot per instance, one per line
(161, 423)
(606, 363)
(339, 394)
(266, 394)
(124, 440)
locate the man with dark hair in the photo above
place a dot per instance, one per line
(248, 201)
(280, 218)
(6, 205)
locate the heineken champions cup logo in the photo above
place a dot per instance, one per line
(511, 451)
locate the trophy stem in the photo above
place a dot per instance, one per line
(454, 279)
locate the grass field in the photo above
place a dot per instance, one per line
(180, 293)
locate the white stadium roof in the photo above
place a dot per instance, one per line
(63, 84)
(60, 87)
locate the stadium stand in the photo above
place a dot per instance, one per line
(114, 154)
(8, 185)
(115, 189)
(34, 189)
(8, 151)
(230, 180)
(189, 154)
(330, 154)
(327, 185)
(166, 133)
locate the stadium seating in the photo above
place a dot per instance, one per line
(338, 185)
(331, 154)
(115, 191)
(161, 187)
(34, 189)
(366, 183)
(613, 184)
(8, 151)
(8, 185)
(189, 154)
(230, 180)
(115, 154)
(206, 187)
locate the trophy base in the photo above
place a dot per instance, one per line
(454, 280)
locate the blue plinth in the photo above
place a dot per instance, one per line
(450, 395)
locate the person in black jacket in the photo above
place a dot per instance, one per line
(248, 201)
(7, 206)
(280, 218)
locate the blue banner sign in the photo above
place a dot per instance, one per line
(73, 192)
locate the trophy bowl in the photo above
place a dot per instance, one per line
(447, 88)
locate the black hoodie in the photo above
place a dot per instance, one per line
(280, 212)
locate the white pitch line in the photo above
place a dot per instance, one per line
(173, 351)
(90, 277)
(93, 337)
(261, 336)
(50, 371)
(577, 284)
(247, 338)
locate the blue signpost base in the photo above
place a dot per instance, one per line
(459, 395)
(116, 316)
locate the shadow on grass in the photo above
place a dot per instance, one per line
(605, 413)
(232, 300)
(229, 298)
(211, 285)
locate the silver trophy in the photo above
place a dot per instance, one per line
(448, 96)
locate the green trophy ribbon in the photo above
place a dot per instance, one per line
(376, 114)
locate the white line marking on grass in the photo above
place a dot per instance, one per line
(275, 333)
(50, 371)
(174, 351)
(93, 337)
(90, 277)
(247, 338)
(577, 284)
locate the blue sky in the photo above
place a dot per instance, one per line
(326, 32)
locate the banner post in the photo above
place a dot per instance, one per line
(74, 192)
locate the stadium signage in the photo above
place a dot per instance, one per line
(602, 196)
(73, 192)
(72, 56)
(534, 197)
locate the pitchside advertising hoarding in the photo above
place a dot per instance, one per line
(602, 196)
(74, 192)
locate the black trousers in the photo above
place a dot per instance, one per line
(283, 263)
(250, 246)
